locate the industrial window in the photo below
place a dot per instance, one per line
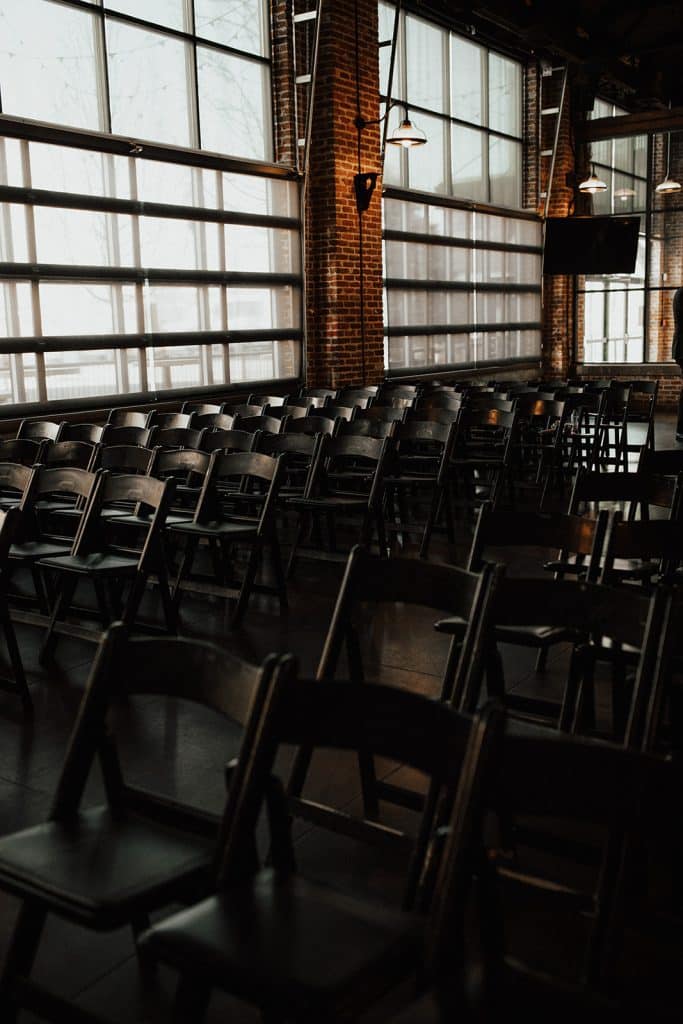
(128, 266)
(462, 265)
(468, 101)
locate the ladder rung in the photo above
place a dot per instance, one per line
(550, 110)
(306, 16)
(546, 152)
(543, 195)
(302, 79)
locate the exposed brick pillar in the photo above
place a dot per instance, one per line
(558, 290)
(348, 76)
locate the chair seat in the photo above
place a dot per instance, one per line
(288, 941)
(218, 528)
(33, 550)
(100, 866)
(533, 636)
(331, 501)
(99, 563)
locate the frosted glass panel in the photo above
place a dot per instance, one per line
(148, 84)
(47, 63)
(234, 105)
(468, 163)
(468, 64)
(241, 24)
(425, 64)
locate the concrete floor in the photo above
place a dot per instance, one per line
(181, 750)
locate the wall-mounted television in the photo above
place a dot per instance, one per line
(590, 245)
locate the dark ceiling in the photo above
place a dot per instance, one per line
(633, 47)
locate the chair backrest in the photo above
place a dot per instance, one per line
(123, 458)
(362, 427)
(310, 424)
(333, 412)
(388, 413)
(279, 412)
(530, 407)
(69, 453)
(243, 409)
(151, 499)
(449, 749)
(89, 432)
(39, 430)
(182, 464)
(616, 801)
(23, 450)
(294, 444)
(171, 420)
(184, 669)
(253, 472)
(227, 440)
(359, 397)
(592, 488)
(319, 393)
(657, 540)
(264, 400)
(661, 462)
(570, 535)
(128, 418)
(175, 437)
(200, 408)
(440, 401)
(213, 421)
(253, 423)
(126, 435)
(15, 479)
(369, 579)
(434, 413)
(63, 481)
(343, 450)
(486, 402)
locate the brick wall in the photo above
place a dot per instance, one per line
(344, 317)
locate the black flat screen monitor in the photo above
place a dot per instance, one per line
(590, 245)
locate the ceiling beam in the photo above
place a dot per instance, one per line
(630, 124)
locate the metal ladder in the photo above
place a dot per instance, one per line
(305, 28)
(552, 96)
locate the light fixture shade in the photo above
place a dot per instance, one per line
(624, 194)
(407, 135)
(668, 186)
(592, 184)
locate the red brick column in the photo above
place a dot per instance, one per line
(344, 272)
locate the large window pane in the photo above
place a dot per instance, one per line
(468, 163)
(149, 75)
(234, 105)
(159, 12)
(262, 250)
(237, 23)
(63, 169)
(87, 308)
(425, 64)
(505, 95)
(79, 374)
(505, 171)
(468, 63)
(83, 238)
(427, 171)
(263, 308)
(47, 63)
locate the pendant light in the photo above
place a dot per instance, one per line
(407, 135)
(592, 184)
(669, 185)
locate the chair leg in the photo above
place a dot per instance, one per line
(184, 569)
(62, 604)
(278, 571)
(135, 596)
(191, 1002)
(298, 537)
(20, 957)
(246, 587)
(542, 659)
(15, 658)
(168, 607)
(434, 508)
